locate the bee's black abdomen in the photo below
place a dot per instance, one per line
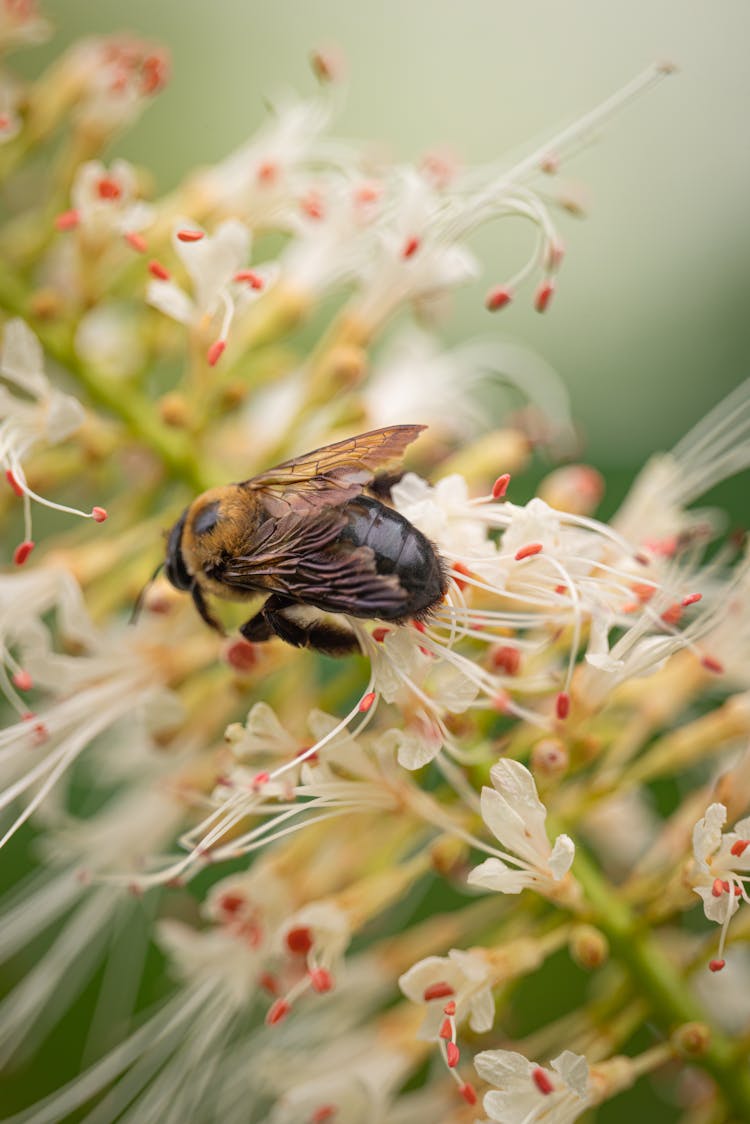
(399, 549)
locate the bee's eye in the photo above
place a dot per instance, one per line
(206, 519)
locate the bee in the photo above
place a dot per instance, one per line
(307, 535)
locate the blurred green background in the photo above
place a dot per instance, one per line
(649, 327)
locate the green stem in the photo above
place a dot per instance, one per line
(128, 404)
(661, 985)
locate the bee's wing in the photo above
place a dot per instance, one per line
(340, 471)
(297, 556)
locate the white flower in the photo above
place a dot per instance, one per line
(215, 264)
(40, 415)
(516, 817)
(463, 977)
(530, 1092)
(108, 339)
(105, 200)
(21, 24)
(723, 868)
(113, 77)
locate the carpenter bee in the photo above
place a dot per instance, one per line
(306, 534)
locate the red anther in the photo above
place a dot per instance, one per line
(190, 235)
(500, 487)
(99, 514)
(366, 702)
(450, 1008)
(544, 294)
(713, 665)
(325, 1112)
(269, 983)
(562, 705)
(241, 655)
(446, 1029)
(643, 592)
(13, 482)
(108, 188)
(304, 751)
(507, 659)
(440, 990)
(459, 568)
(641, 559)
(277, 1012)
(156, 269)
(253, 279)
(497, 298)
(550, 163)
(738, 847)
(4, 121)
(717, 887)
(452, 1054)
(367, 193)
(411, 245)
(22, 552)
(379, 634)
(267, 172)
(725, 885)
(215, 352)
(313, 206)
(231, 903)
(528, 550)
(562, 588)
(673, 614)
(630, 607)
(321, 980)
(23, 681)
(327, 64)
(716, 965)
(419, 626)
(154, 73)
(691, 599)
(468, 1093)
(136, 241)
(260, 779)
(39, 731)
(68, 220)
(542, 1081)
(299, 940)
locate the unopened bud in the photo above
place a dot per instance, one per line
(550, 758)
(692, 1039)
(174, 410)
(588, 947)
(575, 488)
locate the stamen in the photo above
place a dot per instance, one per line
(253, 279)
(366, 702)
(716, 965)
(190, 235)
(23, 681)
(22, 552)
(738, 847)
(506, 658)
(156, 269)
(321, 980)
(691, 599)
(108, 188)
(277, 1012)
(68, 220)
(324, 1113)
(440, 990)
(562, 705)
(99, 514)
(452, 1054)
(544, 295)
(299, 940)
(542, 1081)
(215, 352)
(468, 1093)
(13, 482)
(500, 487)
(410, 247)
(498, 298)
(136, 241)
(529, 550)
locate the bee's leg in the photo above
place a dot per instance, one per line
(200, 603)
(273, 619)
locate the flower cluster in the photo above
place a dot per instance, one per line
(292, 888)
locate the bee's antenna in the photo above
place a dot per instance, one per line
(142, 595)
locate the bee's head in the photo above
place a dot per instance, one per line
(175, 568)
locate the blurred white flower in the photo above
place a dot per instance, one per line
(723, 868)
(463, 977)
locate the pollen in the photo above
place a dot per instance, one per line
(190, 235)
(13, 482)
(99, 514)
(250, 277)
(452, 1054)
(411, 245)
(22, 680)
(68, 220)
(277, 1012)
(321, 980)
(366, 702)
